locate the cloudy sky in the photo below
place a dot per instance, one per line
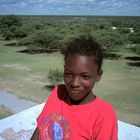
(70, 7)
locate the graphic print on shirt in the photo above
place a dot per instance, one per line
(55, 127)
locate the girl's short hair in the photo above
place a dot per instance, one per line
(86, 46)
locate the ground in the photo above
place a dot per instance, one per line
(25, 75)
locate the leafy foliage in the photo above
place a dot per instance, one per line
(42, 40)
(109, 39)
(10, 20)
(135, 48)
(8, 25)
(54, 32)
(55, 76)
(135, 38)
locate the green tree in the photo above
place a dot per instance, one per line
(135, 38)
(10, 20)
(42, 41)
(23, 31)
(109, 39)
(135, 48)
(8, 25)
(7, 33)
(116, 23)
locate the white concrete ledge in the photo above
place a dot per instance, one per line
(21, 126)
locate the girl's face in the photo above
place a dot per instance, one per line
(80, 75)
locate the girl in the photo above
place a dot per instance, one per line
(73, 111)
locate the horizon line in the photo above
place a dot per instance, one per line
(69, 15)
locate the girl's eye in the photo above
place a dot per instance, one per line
(86, 77)
(67, 74)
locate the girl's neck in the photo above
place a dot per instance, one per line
(89, 98)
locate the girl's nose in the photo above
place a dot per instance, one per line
(75, 82)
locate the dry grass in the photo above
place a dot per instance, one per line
(25, 75)
(5, 112)
(120, 86)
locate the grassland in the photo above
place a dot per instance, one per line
(5, 112)
(26, 76)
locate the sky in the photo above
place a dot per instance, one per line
(71, 7)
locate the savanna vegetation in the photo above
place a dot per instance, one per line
(30, 58)
(51, 33)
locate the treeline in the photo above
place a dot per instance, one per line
(50, 33)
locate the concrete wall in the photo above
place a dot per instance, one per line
(21, 126)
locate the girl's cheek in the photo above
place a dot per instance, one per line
(67, 80)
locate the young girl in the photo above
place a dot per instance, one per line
(73, 111)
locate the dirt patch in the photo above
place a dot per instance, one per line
(35, 78)
(16, 66)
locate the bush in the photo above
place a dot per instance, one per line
(136, 48)
(8, 25)
(42, 40)
(55, 76)
(109, 39)
(135, 38)
(7, 34)
(10, 20)
(26, 41)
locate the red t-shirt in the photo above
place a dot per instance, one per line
(92, 121)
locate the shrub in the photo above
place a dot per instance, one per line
(10, 20)
(42, 40)
(26, 40)
(8, 25)
(136, 48)
(109, 39)
(7, 34)
(135, 38)
(55, 76)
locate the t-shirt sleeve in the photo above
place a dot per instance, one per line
(107, 126)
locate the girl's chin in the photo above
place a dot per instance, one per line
(75, 100)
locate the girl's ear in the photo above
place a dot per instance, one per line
(99, 75)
